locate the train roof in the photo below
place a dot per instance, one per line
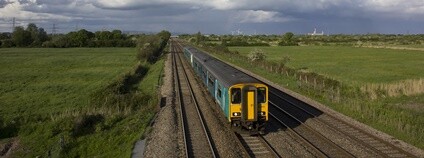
(225, 73)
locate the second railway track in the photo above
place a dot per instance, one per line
(196, 137)
(370, 142)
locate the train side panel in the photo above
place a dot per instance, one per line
(219, 92)
(225, 100)
(210, 83)
(188, 54)
(221, 98)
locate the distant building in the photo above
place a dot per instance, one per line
(175, 36)
(315, 33)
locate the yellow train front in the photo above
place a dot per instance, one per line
(249, 106)
(243, 99)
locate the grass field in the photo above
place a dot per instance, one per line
(40, 81)
(349, 64)
(45, 102)
(409, 46)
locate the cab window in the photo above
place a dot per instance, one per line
(235, 95)
(261, 94)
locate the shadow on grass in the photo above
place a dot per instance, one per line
(86, 124)
(8, 130)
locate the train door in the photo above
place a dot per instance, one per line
(191, 59)
(249, 104)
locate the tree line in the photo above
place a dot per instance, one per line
(33, 36)
(291, 39)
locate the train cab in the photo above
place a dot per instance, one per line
(249, 106)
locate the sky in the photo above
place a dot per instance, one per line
(218, 16)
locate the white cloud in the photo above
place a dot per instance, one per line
(17, 10)
(221, 4)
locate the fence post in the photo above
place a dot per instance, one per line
(306, 78)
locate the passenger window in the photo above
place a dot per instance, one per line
(235, 95)
(261, 94)
(211, 82)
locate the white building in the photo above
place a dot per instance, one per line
(315, 33)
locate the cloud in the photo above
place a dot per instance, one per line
(219, 14)
(394, 7)
(260, 16)
(338, 8)
(135, 4)
(16, 9)
(3, 3)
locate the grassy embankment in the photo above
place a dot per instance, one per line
(78, 102)
(338, 77)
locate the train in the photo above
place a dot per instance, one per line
(242, 98)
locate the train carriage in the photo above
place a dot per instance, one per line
(243, 99)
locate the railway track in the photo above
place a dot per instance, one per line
(197, 140)
(257, 146)
(371, 142)
(321, 145)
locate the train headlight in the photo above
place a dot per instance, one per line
(263, 113)
(236, 114)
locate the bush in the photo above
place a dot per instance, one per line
(150, 47)
(7, 43)
(256, 55)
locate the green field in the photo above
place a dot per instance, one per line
(409, 46)
(40, 81)
(46, 102)
(350, 64)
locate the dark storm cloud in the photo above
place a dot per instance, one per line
(223, 16)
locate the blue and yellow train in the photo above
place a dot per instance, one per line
(243, 99)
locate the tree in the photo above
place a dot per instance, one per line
(42, 35)
(5, 35)
(288, 36)
(61, 41)
(103, 35)
(117, 34)
(7, 43)
(33, 30)
(164, 34)
(288, 40)
(21, 37)
(80, 38)
(199, 38)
